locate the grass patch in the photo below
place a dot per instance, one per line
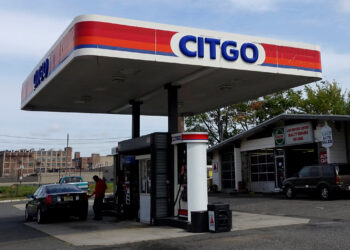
(20, 191)
(110, 187)
(17, 191)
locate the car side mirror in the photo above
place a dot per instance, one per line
(30, 196)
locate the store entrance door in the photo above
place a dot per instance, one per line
(145, 188)
(280, 171)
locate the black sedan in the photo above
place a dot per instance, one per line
(55, 200)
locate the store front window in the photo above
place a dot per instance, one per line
(227, 170)
(262, 170)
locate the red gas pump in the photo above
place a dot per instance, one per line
(181, 197)
(182, 193)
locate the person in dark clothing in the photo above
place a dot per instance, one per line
(99, 193)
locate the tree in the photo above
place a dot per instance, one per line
(324, 98)
(327, 98)
(347, 109)
(246, 115)
(281, 102)
(218, 123)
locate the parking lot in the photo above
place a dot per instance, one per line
(259, 222)
(303, 206)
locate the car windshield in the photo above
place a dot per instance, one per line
(72, 179)
(62, 189)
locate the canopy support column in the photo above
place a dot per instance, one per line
(135, 118)
(172, 109)
(172, 129)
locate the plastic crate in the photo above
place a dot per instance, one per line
(219, 217)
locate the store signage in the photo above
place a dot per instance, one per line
(327, 137)
(323, 157)
(230, 51)
(294, 134)
(211, 217)
(215, 167)
(41, 73)
(279, 136)
(129, 160)
(299, 133)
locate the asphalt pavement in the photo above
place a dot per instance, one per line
(327, 227)
(15, 235)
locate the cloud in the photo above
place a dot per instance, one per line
(255, 6)
(344, 5)
(27, 34)
(334, 62)
(210, 6)
(336, 67)
(52, 129)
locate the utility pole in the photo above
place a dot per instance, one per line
(67, 153)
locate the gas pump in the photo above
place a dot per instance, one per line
(181, 197)
(191, 171)
(150, 189)
(127, 188)
(143, 178)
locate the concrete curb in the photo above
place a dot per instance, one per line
(8, 201)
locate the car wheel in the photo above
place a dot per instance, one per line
(324, 193)
(83, 216)
(289, 192)
(40, 219)
(27, 217)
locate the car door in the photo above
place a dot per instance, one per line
(32, 207)
(301, 183)
(329, 173)
(39, 198)
(308, 179)
(315, 176)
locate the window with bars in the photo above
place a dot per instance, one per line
(262, 165)
(227, 170)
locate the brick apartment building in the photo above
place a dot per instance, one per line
(95, 161)
(34, 161)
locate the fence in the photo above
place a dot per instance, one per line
(45, 178)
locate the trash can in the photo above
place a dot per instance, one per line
(199, 221)
(219, 217)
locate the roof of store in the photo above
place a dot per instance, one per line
(274, 120)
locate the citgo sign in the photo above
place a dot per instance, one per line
(229, 49)
(41, 73)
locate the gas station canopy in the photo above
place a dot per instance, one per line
(102, 64)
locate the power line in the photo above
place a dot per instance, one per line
(60, 139)
(54, 143)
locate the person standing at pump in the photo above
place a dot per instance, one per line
(99, 193)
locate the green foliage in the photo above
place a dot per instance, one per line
(16, 191)
(347, 105)
(218, 123)
(327, 98)
(324, 98)
(278, 103)
(268, 106)
(20, 191)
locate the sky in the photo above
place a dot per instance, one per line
(29, 28)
